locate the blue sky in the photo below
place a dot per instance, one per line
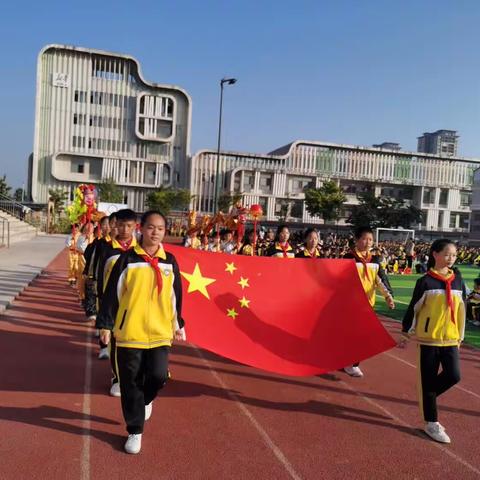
(346, 71)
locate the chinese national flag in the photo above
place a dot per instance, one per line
(293, 317)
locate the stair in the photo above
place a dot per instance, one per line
(19, 231)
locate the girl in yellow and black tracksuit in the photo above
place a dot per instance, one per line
(436, 317)
(142, 306)
(281, 248)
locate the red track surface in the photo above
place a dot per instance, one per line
(215, 419)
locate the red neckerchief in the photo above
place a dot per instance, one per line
(363, 260)
(125, 245)
(448, 288)
(153, 261)
(285, 247)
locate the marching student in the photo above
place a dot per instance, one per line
(90, 255)
(372, 276)
(281, 248)
(142, 308)
(310, 249)
(436, 318)
(83, 241)
(71, 244)
(126, 222)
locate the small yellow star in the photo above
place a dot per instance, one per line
(230, 267)
(197, 282)
(244, 302)
(243, 282)
(231, 312)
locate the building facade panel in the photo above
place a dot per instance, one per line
(97, 118)
(441, 188)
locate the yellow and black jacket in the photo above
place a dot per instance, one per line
(372, 276)
(142, 311)
(108, 256)
(436, 314)
(304, 253)
(276, 250)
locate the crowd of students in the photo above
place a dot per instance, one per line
(132, 288)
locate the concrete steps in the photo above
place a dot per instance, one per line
(19, 231)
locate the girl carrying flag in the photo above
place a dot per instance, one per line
(436, 318)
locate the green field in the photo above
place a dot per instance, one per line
(403, 288)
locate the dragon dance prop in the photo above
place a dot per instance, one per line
(234, 221)
(84, 207)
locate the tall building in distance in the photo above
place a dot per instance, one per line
(388, 146)
(442, 142)
(97, 118)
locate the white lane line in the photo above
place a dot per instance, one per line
(85, 455)
(405, 424)
(458, 387)
(266, 438)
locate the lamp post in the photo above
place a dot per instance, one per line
(223, 81)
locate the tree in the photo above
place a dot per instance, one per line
(57, 197)
(109, 191)
(18, 195)
(226, 200)
(385, 212)
(167, 199)
(325, 202)
(4, 187)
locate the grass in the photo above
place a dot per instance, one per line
(403, 286)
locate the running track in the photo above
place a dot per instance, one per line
(215, 419)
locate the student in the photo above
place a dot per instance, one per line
(281, 248)
(142, 306)
(247, 248)
(71, 244)
(311, 245)
(89, 271)
(126, 222)
(371, 275)
(436, 317)
(473, 303)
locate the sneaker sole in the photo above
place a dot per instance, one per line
(436, 439)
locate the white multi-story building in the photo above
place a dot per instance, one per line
(441, 187)
(97, 118)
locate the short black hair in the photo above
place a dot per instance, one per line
(126, 215)
(104, 219)
(308, 231)
(112, 216)
(360, 231)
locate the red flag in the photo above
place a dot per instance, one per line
(293, 317)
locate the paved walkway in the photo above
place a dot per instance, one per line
(23, 261)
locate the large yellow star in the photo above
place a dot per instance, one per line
(231, 312)
(243, 282)
(197, 282)
(244, 303)
(230, 267)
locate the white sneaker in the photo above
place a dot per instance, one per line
(476, 323)
(115, 390)
(103, 354)
(437, 432)
(353, 371)
(148, 410)
(92, 317)
(133, 444)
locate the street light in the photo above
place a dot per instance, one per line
(223, 81)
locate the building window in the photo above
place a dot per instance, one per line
(440, 219)
(297, 209)
(443, 202)
(166, 174)
(266, 182)
(237, 182)
(299, 184)
(453, 220)
(75, 119)
(464, 221)
(80, 168)
(428, 196)
(465, 199)
(262, 201)
(248, 181)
